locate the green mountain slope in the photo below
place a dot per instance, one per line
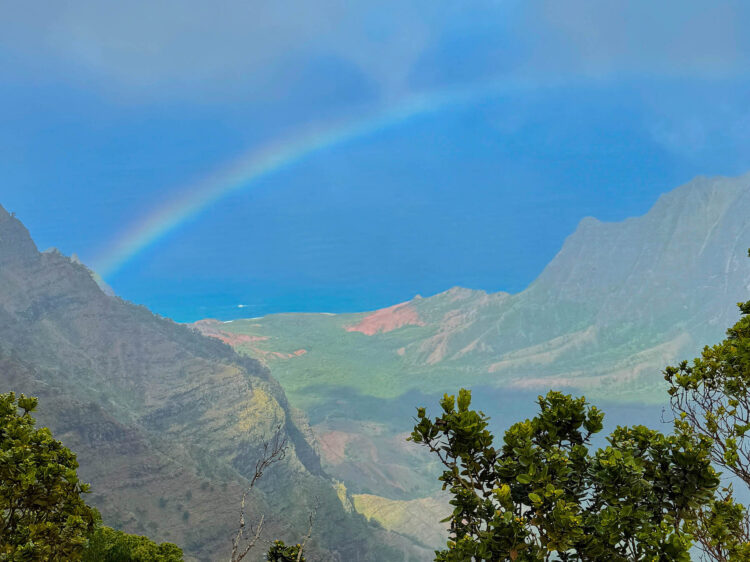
(615, 303)
(167, 423)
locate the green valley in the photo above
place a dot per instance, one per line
(618, 303)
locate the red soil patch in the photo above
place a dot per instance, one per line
(333, 445)
(387, 319)
(237, 339)
(279, 354)
(212, 328)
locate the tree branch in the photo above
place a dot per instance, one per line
(273, 451)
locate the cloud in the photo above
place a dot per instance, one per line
(679, 38)
(261, 49)
(171, 44)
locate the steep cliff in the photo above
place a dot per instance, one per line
(167, 423)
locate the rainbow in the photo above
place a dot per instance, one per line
(255, 164)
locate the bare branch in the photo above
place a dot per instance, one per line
(273, 452)
(311, 517)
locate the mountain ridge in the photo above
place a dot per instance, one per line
(167, 424)
(618, 302)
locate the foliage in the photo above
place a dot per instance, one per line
(723, 529)
(109, 545)
(711, 396)
(544, 494)
(710, 399)
(42, 514)
(280, 552)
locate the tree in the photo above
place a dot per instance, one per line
(273, 452)
(544, 495)
(108, 545)
(280, 552)
(42, 513)
(710, 399)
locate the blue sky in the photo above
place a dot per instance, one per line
(112, 110)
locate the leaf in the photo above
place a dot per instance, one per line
(524, 478)
(464, 399)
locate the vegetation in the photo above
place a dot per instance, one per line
(545, 494)
(43, 516)
(42, 513)
(109, 545)
(645, 496)
(280, 552)
(710, 399)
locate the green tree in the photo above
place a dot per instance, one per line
(545, 495)
(280, 552)
(109, 545)
(710, 398)
(42, 514)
